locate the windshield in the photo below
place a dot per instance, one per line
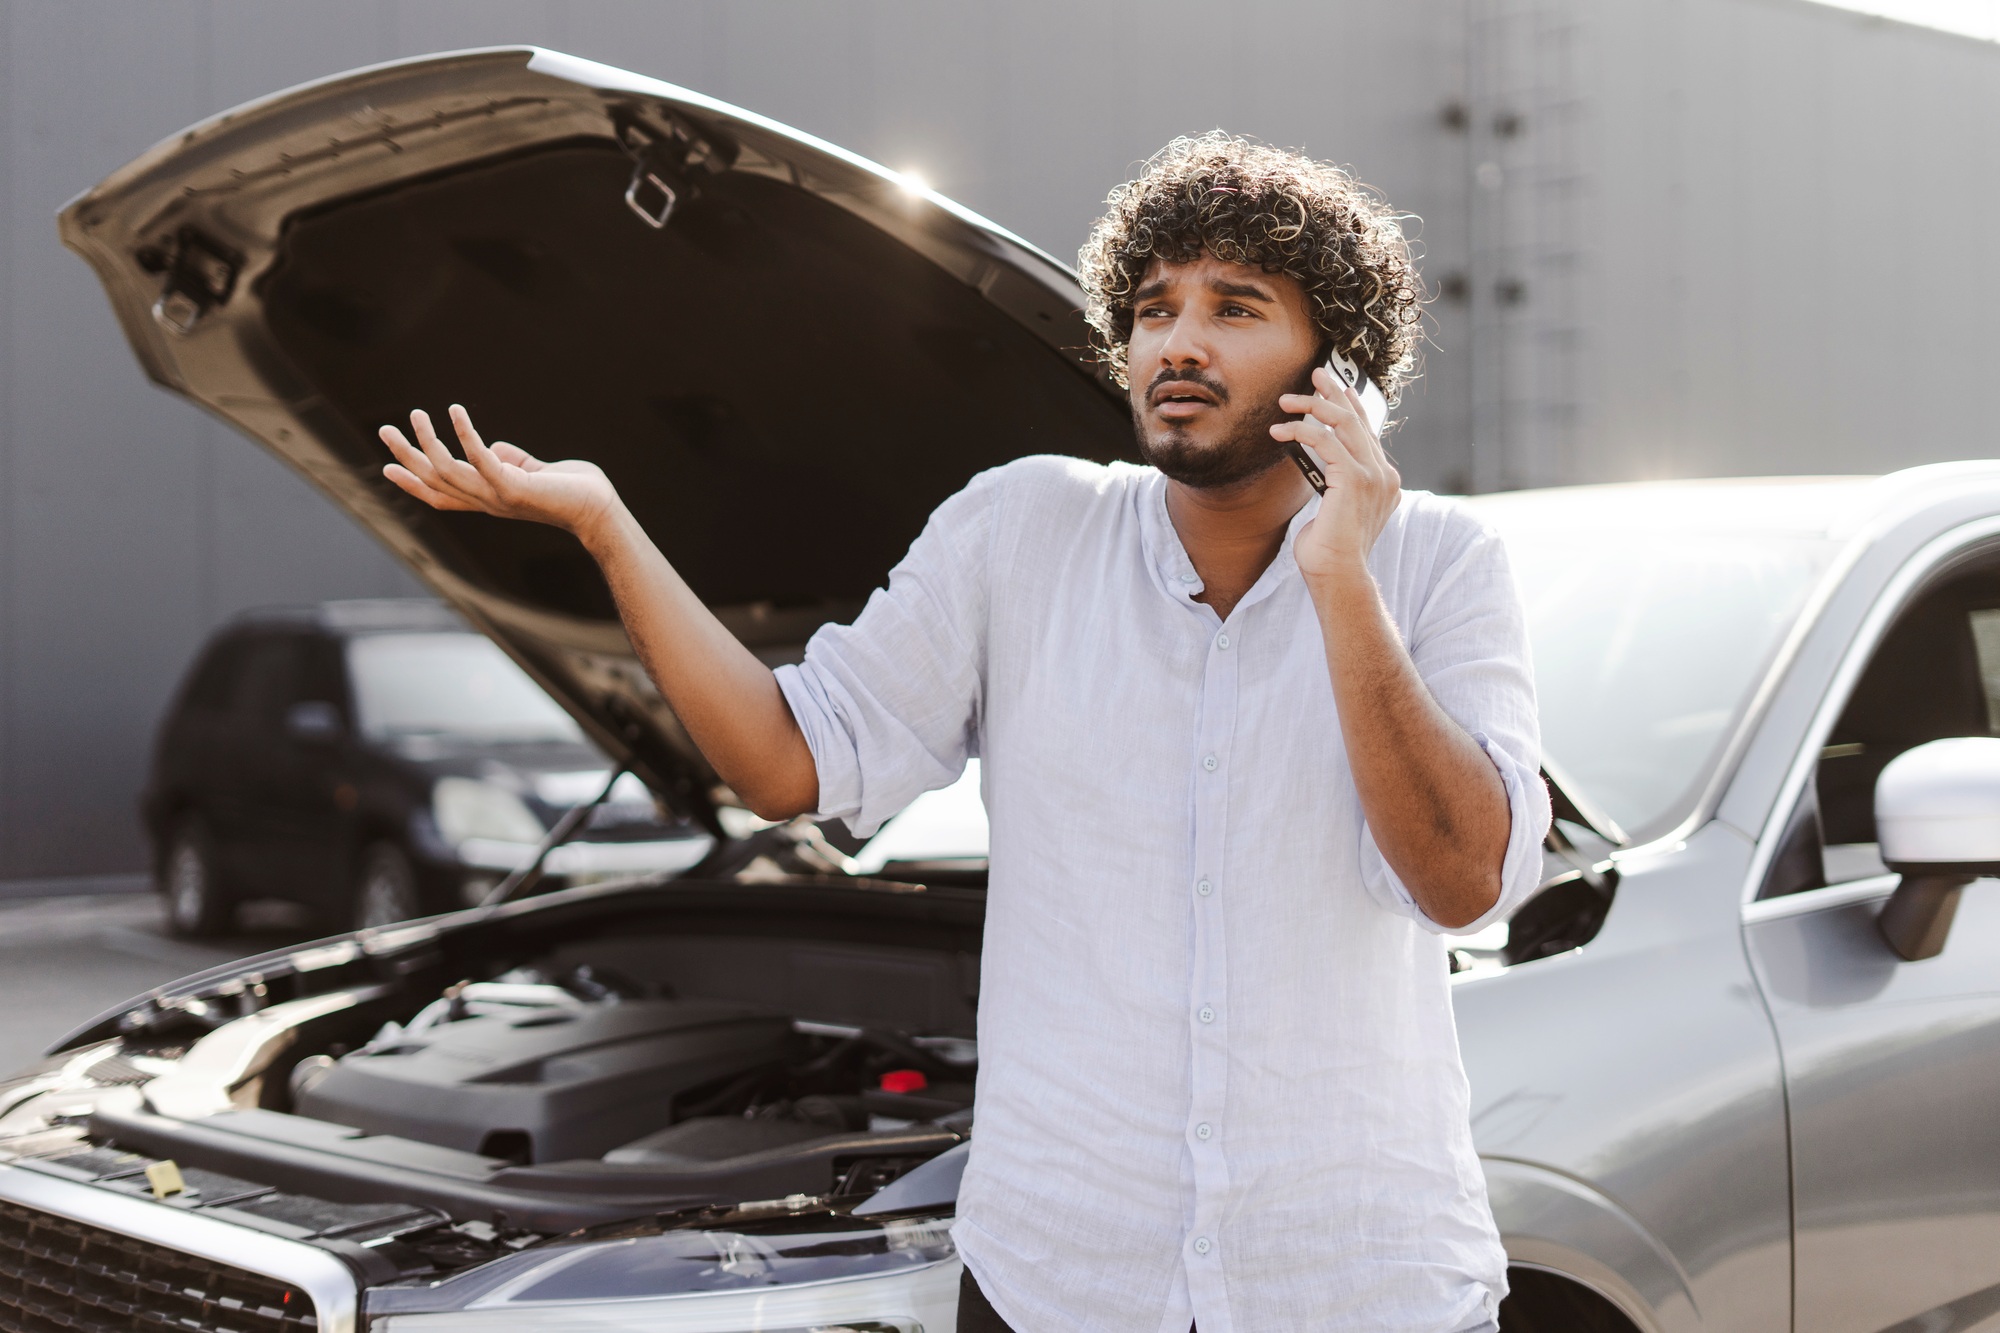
(449, 684)
(1648, 640)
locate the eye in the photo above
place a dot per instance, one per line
(1152, 312)
(1234, 311)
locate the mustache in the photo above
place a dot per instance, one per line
(1195, 377)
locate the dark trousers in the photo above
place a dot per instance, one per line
(976, 1313)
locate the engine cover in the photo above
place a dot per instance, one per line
(561, 1083)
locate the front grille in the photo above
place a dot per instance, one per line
(58, 1276)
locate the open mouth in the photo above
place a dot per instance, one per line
(1180, 398)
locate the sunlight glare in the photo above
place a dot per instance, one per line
(1968, 18)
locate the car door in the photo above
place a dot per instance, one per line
(1892, 1068)
(312, 783)
(266, 810)
(237, 763)
(186, 766)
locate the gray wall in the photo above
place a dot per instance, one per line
(130, 524)
(1641, 219)
(1794, 243)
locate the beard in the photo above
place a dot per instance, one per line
(1244, 452)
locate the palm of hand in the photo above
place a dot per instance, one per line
(503, 480)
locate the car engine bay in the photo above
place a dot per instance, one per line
(424, 1098)
(592, 1064)
(609, 1061)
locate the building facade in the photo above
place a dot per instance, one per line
(1668, 238)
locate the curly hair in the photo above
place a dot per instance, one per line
(1247, 203)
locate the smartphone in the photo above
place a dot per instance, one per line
(1374, 410)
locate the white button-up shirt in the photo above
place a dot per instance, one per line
(1219, 1078)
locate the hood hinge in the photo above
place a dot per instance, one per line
(200, 275)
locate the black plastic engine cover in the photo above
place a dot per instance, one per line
(571, 1083)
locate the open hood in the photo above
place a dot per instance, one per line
(783, 355)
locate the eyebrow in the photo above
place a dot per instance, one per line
(1247, 290)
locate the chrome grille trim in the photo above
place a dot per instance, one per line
(332, 1287)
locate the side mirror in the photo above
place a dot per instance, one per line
(1937, 820)
(314, 721)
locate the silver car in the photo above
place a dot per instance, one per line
(1736, 1066)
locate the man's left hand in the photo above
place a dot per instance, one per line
(1362, 485)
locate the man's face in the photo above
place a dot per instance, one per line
(1213, 345)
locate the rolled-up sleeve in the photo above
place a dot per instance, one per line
(1470, 646)
(890, 704)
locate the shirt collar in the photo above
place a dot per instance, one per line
(1174, 574)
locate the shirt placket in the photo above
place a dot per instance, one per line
(1208, 1000)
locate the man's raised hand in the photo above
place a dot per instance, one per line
(503, 480)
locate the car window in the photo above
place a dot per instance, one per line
(1935, 674)
(269, 683)
(322, 678)
(449, 684)
(212, 685)
(1647, 646)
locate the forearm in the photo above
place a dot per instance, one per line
(729, 701)
(1435, 803)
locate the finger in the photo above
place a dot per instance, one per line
(1318, 439)
(515, 456)
(1333, 414)
(405, 453)
(1316, 435)
(450, 474)
(1336, 406)
(476, 452)
(1375, 446)
(414, 485)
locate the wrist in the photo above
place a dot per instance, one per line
(1342, 578)
(607, 531)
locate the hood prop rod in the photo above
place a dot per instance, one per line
(520, 881)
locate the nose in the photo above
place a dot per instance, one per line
(1184, 346)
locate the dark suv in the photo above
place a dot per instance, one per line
(374, 761)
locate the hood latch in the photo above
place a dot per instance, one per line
(665, 160)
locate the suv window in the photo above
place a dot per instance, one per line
(212, 686)
(272, 671)
(450, 684)
(1936, 674)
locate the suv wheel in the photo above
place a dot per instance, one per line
(387, 889)
(197, 905)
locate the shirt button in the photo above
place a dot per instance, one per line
(1204, 888)
(1202, 1132)
(1222, 640)
(1206, 1014)
(1187, 578)
(1208, 762)
(1202, 1245)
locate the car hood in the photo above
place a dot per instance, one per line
(783, 355)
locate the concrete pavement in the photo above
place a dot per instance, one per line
(64, 960)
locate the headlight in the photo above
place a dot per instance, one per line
(852, 1276)
(467, 808)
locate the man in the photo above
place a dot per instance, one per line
(1247, 751)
